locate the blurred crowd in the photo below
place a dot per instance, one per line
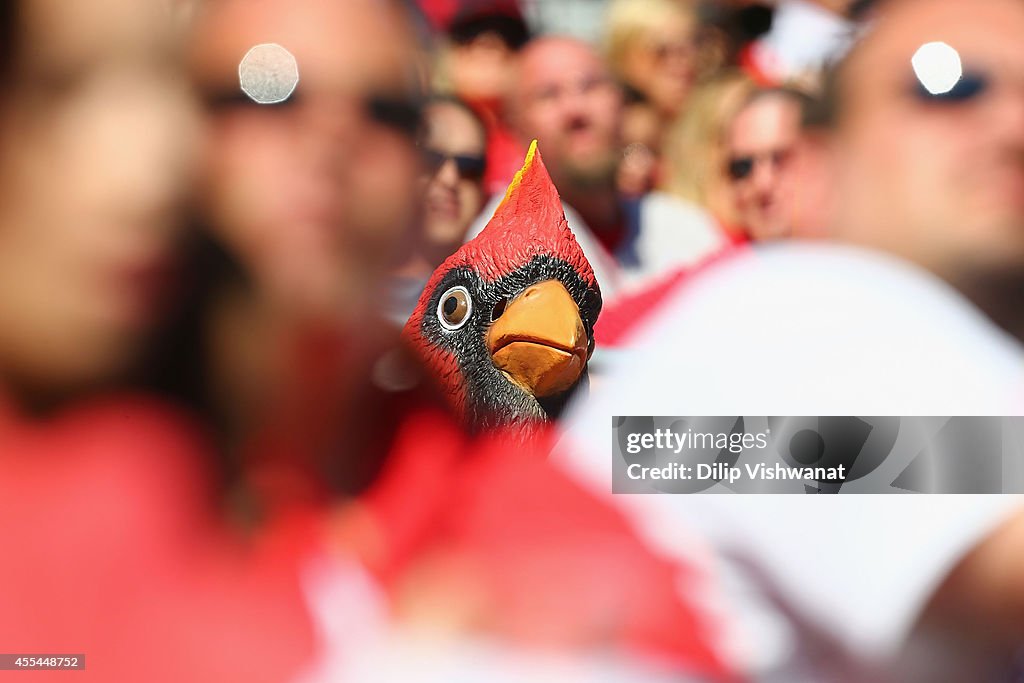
(220, 459)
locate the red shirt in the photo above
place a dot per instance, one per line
(113, 550)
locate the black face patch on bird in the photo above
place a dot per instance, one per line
(492, 398)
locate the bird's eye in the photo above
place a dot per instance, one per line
(454, 308)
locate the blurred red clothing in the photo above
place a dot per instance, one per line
(504, 156)
(113, 550)
(117, 551)
(485, 528)
(490, 527)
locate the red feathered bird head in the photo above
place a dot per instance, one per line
(507, 321)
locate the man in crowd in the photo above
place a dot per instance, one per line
(920, 320)
(935, 177)
(311, 195)
(760, 144)
(565, 97)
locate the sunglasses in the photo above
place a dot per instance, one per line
(468, 167)
(402, 114)
(664, 51)
(741, 168)
(970, 86)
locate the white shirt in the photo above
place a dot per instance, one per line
(804, 38)
(815, 587)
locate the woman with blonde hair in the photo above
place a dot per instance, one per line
(650, 46)
(694, 149)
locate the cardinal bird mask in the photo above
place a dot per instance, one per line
(507, 321)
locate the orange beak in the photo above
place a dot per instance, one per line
(539, 342)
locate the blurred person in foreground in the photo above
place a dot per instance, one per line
(566, 99)
(454, 154)
(918, 314)
(107, 494)
(423, 552)
(760, 142)
(310, 197)
(89, 249)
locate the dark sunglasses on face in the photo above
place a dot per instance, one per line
(403, 114)
(741, 167)
(970, 86)
(468, 167)
(665, 51)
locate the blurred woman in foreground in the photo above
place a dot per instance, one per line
(105, 500)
